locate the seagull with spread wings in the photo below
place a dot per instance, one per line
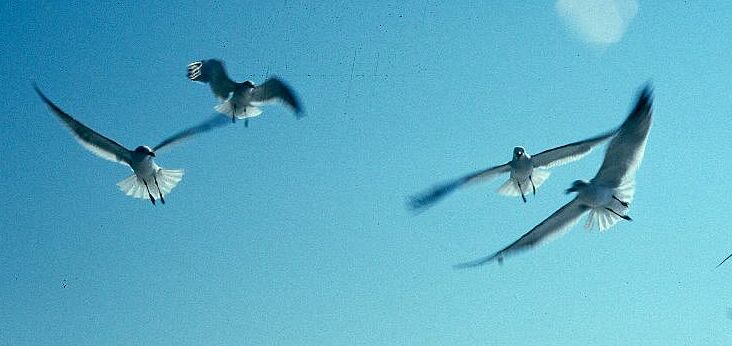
(241, 100)
(526, 172)
(607, 196)
(149, 179)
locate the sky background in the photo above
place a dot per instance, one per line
(295, 232)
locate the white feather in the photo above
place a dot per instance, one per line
(226, 109)
(134, 186)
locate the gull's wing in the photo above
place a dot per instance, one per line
(554, 226)
(429, 198)
(570, 152)
(212, 71)
(276, 90)
(90, 139)
(208, 125)
(625, 151)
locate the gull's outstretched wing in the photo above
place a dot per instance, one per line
(276, 90)
(570, 152)
(212, 71)
(625, 151)
(208, 125)
(88, 138)
(554, 226)
(429, 198)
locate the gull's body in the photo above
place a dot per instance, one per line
(148, 179)
(607, 196)
(527, 173)
(241, 100)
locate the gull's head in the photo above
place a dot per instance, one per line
(248, 84)
(145, 150)
(577, 185)
(518, 152)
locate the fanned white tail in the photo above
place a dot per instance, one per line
(227, 109)
(601, 217)
(626, 191)
(167, 179)
(539, 176)
(511, 188)
(604, 218)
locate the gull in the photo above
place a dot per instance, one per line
(525, 170)
(606, 197)
(148, 179)
(241, 100)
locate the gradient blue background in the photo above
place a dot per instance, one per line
(295, 232)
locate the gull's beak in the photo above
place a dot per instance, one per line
(152, 154)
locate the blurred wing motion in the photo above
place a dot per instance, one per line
(617, 174)
(208, 125)
(554, 226)
(276, 90)
(88, 138)
(429, 198)
(568, 153)
(212, 71)
(626, 150)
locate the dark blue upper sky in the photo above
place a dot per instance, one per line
(295, 231)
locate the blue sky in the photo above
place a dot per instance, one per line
(295, 231)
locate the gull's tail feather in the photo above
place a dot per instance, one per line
(539, 176)
(168, 179)
(134, 186)
(603, 218)
(626, 191)
(510, 188)
(244, 112)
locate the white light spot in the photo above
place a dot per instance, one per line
(598, 21)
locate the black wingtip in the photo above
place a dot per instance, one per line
(426, 200)
(479, 262)
(416, 205)
(646, 95)
(643, 104)
(38, 90)
(725, 260)
(45, 99)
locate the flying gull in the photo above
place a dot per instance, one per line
(526, 172)
(149, 179)
(241, 100)
(606, 197)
